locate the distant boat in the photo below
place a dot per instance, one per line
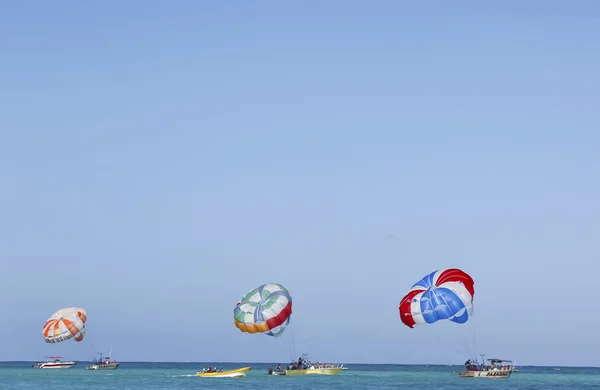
(306, 367)
(54, 363)
(495, 369)
(103, 364)
(237, 373)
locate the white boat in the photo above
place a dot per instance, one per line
(497, 368)
(54, 363)
(276, 371)
(103, 364)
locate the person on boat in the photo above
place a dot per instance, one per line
(278, 369)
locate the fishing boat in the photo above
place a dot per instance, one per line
(497, 368)
(305, 367)
(103, 364)
(237, 373)
(54, 363)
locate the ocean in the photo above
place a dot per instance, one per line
(20, 375)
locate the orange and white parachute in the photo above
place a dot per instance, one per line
(65, 324)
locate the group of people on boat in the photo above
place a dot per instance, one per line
(300, 365)
(473, 365)
(303, 364)
(211, 369)
(323, 365)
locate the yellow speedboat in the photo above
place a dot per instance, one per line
(237, 373)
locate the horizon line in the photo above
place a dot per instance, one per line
(264, 362)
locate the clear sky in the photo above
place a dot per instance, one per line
(160, 159)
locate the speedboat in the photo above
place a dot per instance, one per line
(237, 373)
(54, 363)
(497, 368)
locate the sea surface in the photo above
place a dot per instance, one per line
(20, 375)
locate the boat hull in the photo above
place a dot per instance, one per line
(316, 371)
(110, 366)
(237, 373)
(55, 366)
(324, 371)
(295, 372)
(486, 374)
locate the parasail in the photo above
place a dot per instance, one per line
(442, 295)
(265, 309)
(65, 324)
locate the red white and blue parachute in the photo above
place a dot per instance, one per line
(442, 295)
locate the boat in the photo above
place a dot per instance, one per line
(305, 367)
(103, 364)
(276, 371)
(325, 370)
(497, 368)
(54, 363)
(237, 373)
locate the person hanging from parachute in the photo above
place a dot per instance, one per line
(66, 324)
(266, 309)
(442, 295)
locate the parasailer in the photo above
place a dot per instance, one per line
(442, 295)
(65, 324)
(265, 309)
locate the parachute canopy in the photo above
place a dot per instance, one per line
(265, 309)
(65, 324)
(442, 295)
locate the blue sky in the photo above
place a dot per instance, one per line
(160, 159)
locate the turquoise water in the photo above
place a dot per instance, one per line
(20, 375)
